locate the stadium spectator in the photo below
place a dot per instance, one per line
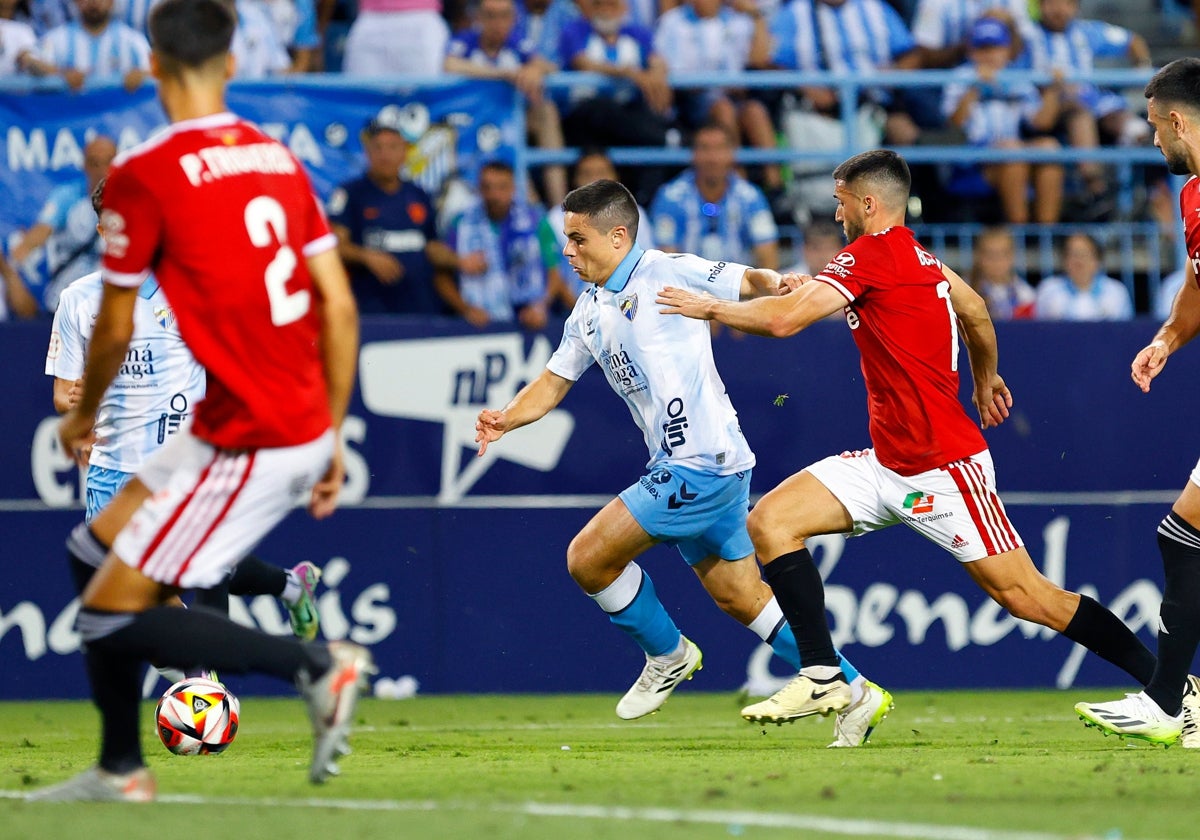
(16, 301)
(822, 240)
(942, 28)
(508, 263)
(295, 23)
(18, 41)
(386, 231)
(1062, 43)
(593, 165)
(95, 46)
(493, 49)
(663, 367)
(389, 37)
(540, 23)
(258, 53)
(998, 114)
(1164, 295)
(713, 212)
(639, 112)
(860, 37)
(906, 309)
(280, 364)
(1083, 292)
(66, 226)
(44, 15)
(994, 276)
(714, 37)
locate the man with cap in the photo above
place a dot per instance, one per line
(385, 228)
(995, 113)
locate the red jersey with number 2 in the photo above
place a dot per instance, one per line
(900, 315)
(224, 216)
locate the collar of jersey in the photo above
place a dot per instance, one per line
(209, 121)
(148, 288)
(620, 276)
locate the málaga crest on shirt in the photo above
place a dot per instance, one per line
(165, 317)
(629, 307)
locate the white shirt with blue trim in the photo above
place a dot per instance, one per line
(115, 51)
(661, 365)
(155, 390)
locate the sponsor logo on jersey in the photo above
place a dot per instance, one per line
(716, 271)
(844, 259)
(629, 307)
(673, 430)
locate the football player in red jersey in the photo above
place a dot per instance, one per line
(930, 467)
(264, 304)
(1170, 705)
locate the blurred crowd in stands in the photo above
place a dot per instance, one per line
(500, 258)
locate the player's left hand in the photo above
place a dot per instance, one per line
(791, 281)
(76, 434)
(325, 492)
(993, 400)
(682, 302)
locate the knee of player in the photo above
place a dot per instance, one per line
(765, 524)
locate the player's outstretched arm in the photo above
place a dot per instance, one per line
(1181, 326)
(991, 396)
(106, 352)
(532, 403)
(339, 347)
(777, 316)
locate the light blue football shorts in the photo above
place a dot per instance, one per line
(699, 513)
(102, 484)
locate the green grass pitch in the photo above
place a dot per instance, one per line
(995, 765)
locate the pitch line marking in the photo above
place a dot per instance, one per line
(757, 819)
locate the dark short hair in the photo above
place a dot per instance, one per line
(607, 203)
(1177, 84)
(496, 165)
(98, 196)
(881, 166)
(190, 33)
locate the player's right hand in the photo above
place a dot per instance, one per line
(1148, 363)
(76, 434)
(489, 427)
(324, 498)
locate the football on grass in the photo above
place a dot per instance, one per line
(197, 717)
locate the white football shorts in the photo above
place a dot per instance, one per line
(954, 506)
(209, 507)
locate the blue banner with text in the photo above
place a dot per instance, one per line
(452, 566)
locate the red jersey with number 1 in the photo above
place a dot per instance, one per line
(1189, 206)
(225, 217)
(900, 315)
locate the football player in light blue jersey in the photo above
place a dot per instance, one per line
(150, 399)
(695, 493)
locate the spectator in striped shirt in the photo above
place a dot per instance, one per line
(493, 49)
(18, 42)
(97, 46)
(1063, 43)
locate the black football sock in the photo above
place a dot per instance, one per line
(1179, 616)
(252, 576)
(116, 691)
(801, 594)
(188, 639)
(215, 599)
(85, 554)
(1105, 635)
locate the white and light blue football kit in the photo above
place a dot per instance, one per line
(695, 494)
(153, 394)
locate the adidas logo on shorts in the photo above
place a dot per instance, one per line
(958, 542)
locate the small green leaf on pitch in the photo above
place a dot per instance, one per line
(781, 399)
